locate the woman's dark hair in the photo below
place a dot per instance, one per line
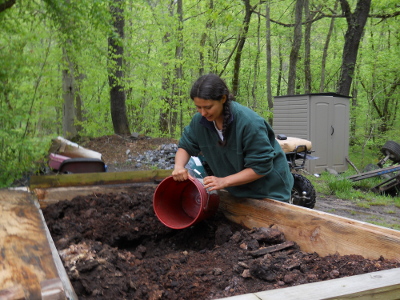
(213, 87)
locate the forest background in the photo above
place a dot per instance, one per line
(98, 67)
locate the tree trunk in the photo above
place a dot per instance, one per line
(78, 101)
(165, 85)
(355, 27)
(256, 67)
(171, 80)
(116, 74)
(353, 114)
(307, 48)
(325, 52)
(242, 41)
(294, 53)
(177, 91)
(280, 72)
(204, 38)
(268, 57)
(68, 85)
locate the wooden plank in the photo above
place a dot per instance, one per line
(85, 179)
(26, 259)
(53, 287)
(47, 196)
(312, 230)
(13, 293)
(382, 285)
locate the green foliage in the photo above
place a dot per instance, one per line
(37, 36)
(21, 156)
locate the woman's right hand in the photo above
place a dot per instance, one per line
(180, 174)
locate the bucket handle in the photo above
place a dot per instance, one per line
(208, 194)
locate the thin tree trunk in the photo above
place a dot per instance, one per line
(294, 53)
(353, 115)
(171, 80)
(177, 91)
(280, 72)
(355, 27)
(325, 52)
(268, 57)
(307, 48)
(78, 101)
(165, 85)
(116, 74)
(204, 38)
(256, 66)
(68, 84)
(242, 41)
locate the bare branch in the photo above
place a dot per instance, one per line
(320, 15)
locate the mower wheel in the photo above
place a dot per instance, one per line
(303, 192)
(392, 149)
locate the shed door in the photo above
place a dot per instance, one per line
(340, 134)
(329, 133)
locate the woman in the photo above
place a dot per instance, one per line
(238, 145)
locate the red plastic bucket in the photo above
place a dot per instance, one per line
(181, 204)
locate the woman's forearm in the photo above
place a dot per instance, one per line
(245, 176)
(181, 158)
(242, 177)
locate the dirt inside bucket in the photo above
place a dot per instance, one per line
(114, 247)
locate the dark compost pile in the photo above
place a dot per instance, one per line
(114, 247)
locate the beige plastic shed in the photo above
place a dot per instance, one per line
(321, 118)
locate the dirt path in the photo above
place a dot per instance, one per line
(376, 214)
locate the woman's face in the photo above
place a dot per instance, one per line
(210, 109)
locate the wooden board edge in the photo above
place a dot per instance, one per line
(26, 254)
(15, 292)
(47, 196)
(106, 178)
(381, 285)
(66, 283)
(314, 231)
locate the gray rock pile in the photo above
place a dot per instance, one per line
(161, 158)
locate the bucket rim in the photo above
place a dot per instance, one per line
(204, 203)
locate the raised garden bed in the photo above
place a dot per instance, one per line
(138, 240)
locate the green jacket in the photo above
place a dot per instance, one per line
(250, 144)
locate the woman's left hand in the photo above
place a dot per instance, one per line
(212, 183)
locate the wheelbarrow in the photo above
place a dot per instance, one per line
(69, 158)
